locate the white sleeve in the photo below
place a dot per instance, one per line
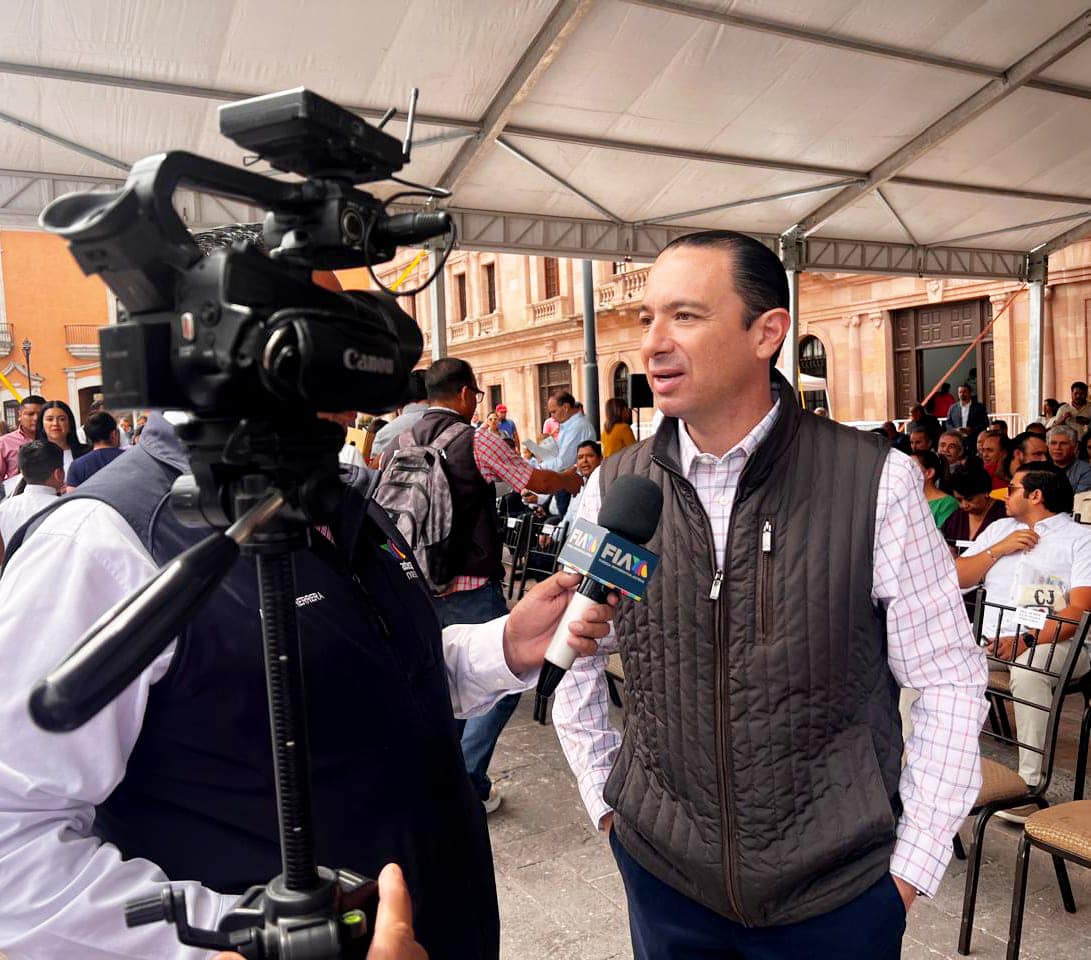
(990, 537)
(1081, 561)
(477, 672)
(63, 891)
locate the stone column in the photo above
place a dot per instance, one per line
(1049, 369)
(856, 368)
(1003, 354)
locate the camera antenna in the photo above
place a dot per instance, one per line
(407, 145)
(386, 118)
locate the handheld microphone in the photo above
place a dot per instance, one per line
(611, 556)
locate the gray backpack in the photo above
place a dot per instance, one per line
(415, 493)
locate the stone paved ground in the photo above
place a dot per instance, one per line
(561, 897)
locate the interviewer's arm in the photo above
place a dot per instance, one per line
(489, 660)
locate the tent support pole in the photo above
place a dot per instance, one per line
(1037, 274)
(590, 349)
(439, 307)
(792, 254)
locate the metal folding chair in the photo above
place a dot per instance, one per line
(1003, 788)
(516, 541)
(1064, 832)
(541, 562)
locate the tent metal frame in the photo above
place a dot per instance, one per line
(797, 244)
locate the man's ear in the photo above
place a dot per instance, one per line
(769, 331)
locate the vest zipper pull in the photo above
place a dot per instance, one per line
(767, 537)
(714, 593)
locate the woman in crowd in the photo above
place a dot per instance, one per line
(57, 425)
(1084, 451)
(618, 431)
(941, 504)
(971, 486)
(1050, 406)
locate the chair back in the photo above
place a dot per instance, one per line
(1081, 507)
(541, 561)
(1058, 666)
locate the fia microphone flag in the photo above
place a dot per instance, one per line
(611, 556)
(609, 559)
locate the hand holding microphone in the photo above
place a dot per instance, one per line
(612, 558)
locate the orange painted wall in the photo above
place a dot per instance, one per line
(44, 289)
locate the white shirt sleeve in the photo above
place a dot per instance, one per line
(63, 891)
(581, 709)
(1081, 560)
(930, 648)
(990, 536)
(477, 672)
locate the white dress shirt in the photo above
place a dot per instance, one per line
(1063, 550)
(15, 511)
(62, 891)
(930, 648)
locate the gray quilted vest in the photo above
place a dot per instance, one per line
(759, 769)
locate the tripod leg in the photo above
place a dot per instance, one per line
(287, 720)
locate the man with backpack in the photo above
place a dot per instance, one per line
(438, 487)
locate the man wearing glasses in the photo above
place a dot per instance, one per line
(475, 460)
(1037, 556)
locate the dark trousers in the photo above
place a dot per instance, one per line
(479, 734)
(667, 925)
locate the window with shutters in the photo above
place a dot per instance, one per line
(490, 287)
(551, 377)
(552, 278)
(461, 310)
(621, 382)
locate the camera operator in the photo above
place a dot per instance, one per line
(174, 778)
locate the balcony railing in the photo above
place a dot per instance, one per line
(7, 338)
(622, 290)
(81, 339)
(546, 311)
(470, 329)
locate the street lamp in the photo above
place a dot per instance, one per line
(26, 356)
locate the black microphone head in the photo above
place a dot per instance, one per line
(631, 508)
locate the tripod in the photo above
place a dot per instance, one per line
(307, 912)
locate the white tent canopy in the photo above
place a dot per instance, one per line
(940, 137)
(628, 114)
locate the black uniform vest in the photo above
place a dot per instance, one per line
(475, 532)
(762, 751)
(388, 777)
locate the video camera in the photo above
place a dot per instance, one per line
(246, 342)
(240, 335)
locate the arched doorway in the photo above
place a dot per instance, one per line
(812, 365)
(621, 382)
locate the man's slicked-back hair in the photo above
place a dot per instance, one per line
(446, 377)
(758, 275)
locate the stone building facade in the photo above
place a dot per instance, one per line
(880, 342)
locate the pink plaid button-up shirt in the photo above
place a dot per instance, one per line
(930, 648)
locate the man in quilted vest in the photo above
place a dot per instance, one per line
(756, 802)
